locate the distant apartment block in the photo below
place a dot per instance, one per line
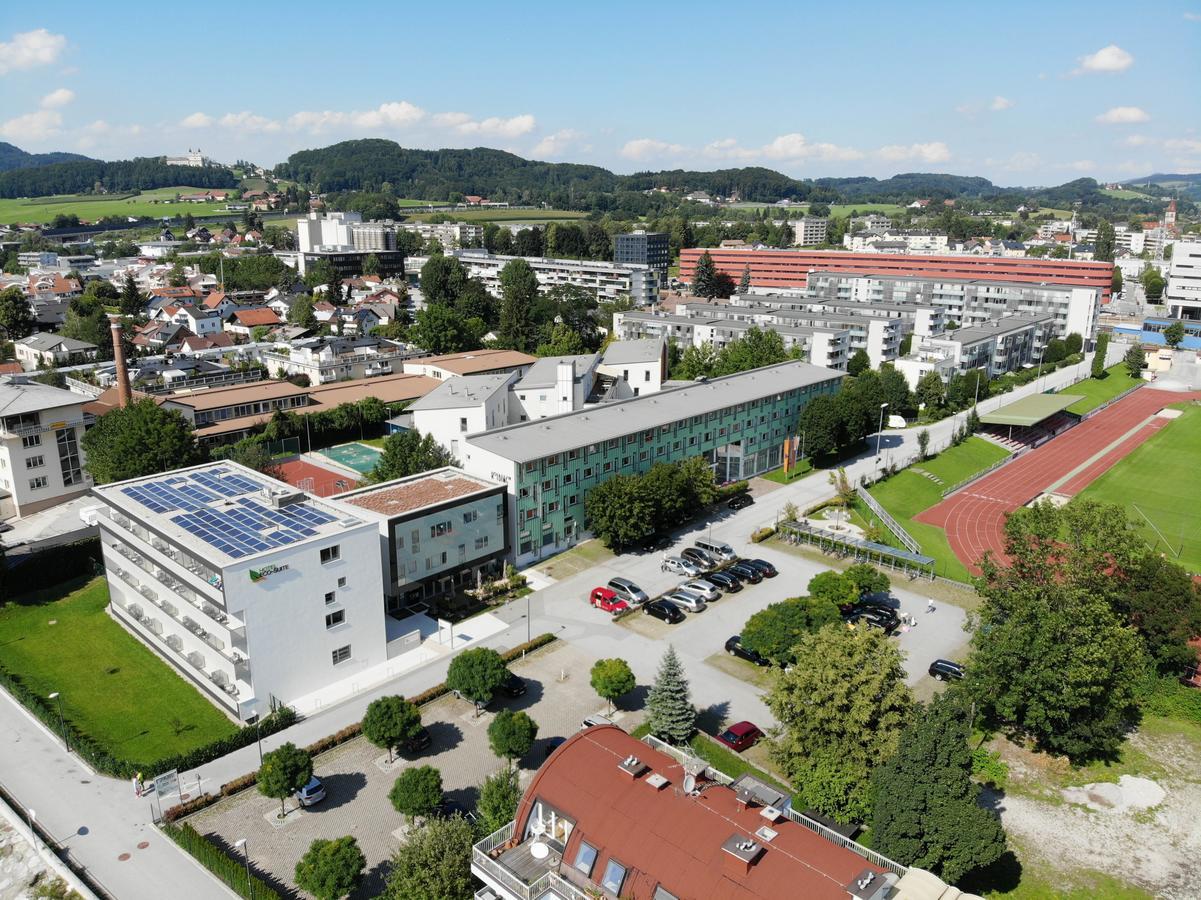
(1000, 345)
(644, 248)
(451, 235)
(810, 231)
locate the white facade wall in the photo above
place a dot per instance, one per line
(31, 470)
(318, 231)
(449, 426)
(642, 377)
(1182, 295)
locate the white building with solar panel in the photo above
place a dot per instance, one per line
(257, 592)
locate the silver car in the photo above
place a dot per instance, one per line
(707, 591)
(628, 591)
(681, 566)
(686, 599)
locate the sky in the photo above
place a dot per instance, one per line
(1022, 93)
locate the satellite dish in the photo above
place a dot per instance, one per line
(689, 783)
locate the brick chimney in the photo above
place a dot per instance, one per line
(124, 394)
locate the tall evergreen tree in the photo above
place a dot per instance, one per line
(1135, 360)
(744, 283)
(672, 716)
(704, 277)
(132, 301)
(1103, 249)
(519, 289)
(1098, 369)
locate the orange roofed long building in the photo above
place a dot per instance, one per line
(609, 816)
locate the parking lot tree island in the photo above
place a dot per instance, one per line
(475, 675)
(417, 792)
(612, 678)
(390, 721)
(512, 734)
(331, 869)
(284, 771)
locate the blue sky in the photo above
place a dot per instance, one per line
(1021, 93)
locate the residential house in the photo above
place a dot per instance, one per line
(242, 322)
(43, 350)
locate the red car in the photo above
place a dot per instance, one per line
(608, 601)
(740, 736)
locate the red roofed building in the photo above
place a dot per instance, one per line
(244, 321)
(608, 816)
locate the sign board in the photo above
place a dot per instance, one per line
(167, 783)
(257, 575)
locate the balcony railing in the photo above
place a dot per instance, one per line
(549, 881)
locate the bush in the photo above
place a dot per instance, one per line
(230, 871)
(1169, 698)
(52, 566)
(179, 810)
(759, 535)
(988, 768)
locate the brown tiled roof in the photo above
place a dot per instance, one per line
(10, 368)
(107, 401)
(216, 398)
(213, 300)
(396, 498)
(255, 317)
(474, 361)
(386, 389)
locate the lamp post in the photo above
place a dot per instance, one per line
(880, 430)
(241, 845)
(258, 736)
(62, 722)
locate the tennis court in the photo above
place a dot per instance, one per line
(359, 457)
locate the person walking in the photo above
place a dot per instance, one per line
(929, 606)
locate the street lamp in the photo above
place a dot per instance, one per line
(62, 723)
(258, 736)
(880, 430)
(241, 845)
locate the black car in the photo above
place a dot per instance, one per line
(727, 582)
(662, 609)
(513, 686)
(766, 569)
(419, 741)
(945, 670)
(734, 647)
(740, 501)
(744, 571)
(875, 617)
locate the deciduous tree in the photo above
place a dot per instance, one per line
(773, 632)
(331, 869)
(141, 439)
(612, 678)
(409, 453)
(284, 771)
(434, 862)
(519, 290)
(512, 734)
(499, 796)
(417, 792)
(475, 674)
(16, 316)
(1174, 334)
(390, 721)
(859, 362)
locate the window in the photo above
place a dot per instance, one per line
(330, 554)
(440, 528)
(37, 483)
(330, 597)
(500, 512)
(585, 859)
(31, 440)
(470, 516)
(342, 582)
(661, 893)
(481, 542)
(463, 424)
(462, 552)
(341, 654)
(588, 472)
(35, 462)
(615, 875)
(337, 617)
(646, 376)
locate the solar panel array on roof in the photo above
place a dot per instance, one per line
(242, 529)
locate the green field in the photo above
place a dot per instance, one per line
(88, 207)
(862, 209)
(1158, 481)
(1124, 195)
(112, 687)
(908, 493)
(1096, 391)
(530, 216)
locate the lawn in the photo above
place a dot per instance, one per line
(580, 558)
(1121, 194)
(1158, 481)
(155, 203)
(1096, 391)
(798, 471)
(112, 687)
(725, 761)
(523, 216)
(862, 209)
(908, 493)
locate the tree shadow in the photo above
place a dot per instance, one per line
(443, 736)
(374, 881)
(1001, 877)
(541, 750)
(534, 691)
(340, 788)
(711, 719)
(281, 887)
(460, 800)
(635, 699)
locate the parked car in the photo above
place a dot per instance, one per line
(740, 736)
(765, 568)
(705, 588)
(553, 744)
(875, 617)
(661, 609)
(513, 686)
(687, 600)
(681, 567)
(734, 647)
(628, 591)
(607, 600)
(595, 719)
(450, 807)
(740, 501)
(419, 741)
(312, 793)
(945, 670)
(699, 557)
(744, 571)
(725, 581)
(719, 550)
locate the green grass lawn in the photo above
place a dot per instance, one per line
(1096, 391)
(525, 216)
(113, 688)
(1121, 194)
(726, 761)
(798, 471)
(1160, 479)
(88, 207)
(862, 209)
(907, 493)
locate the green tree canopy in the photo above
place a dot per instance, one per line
(141, 439)
(773, 632)
(1174, 334)
(499, 796)
(132, 301)
(1098, 364)
(867, 579)
(442, 278)
(1135, 360)
(704, 277)
(859, 362)
(434, 862)
(670, 713)
(284, 771)
(417, 792)
(301, 312)
(612, 678)
(475, 674)
(16, 315)
(519, 290)
(441, 329)
(834, 588)
(562, 341)
(511, 734)
(331, 869)
(390, 721)
(409, 453)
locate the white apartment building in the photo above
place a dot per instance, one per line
(328, 359)
(810, 231)
(606, 280)
(1000, 345)
(1125, 238)
(1182, 296)
(888, 240)
(41, 461)
(1048, 230)
(460, 406)
(44, 349)
(319, 232)
(254, 591)
(451, 235)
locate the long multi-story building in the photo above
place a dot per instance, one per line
(41, 460)
(608, 281)
(810, 231)
(997, 346)
(644, 248)
(1182, 296)
(738, 424)
(451, 235)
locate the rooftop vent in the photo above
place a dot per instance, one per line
(657, 781)
(742, 849)
(280, 499)
(765, 834)
(770, 813)
(632, 766)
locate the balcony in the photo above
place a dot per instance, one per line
(518, 873)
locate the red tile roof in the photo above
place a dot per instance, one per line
(256, 317)
(213, 300)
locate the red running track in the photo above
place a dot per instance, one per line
(974, 518)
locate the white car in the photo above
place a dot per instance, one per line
(681, 566)
(686, 600)
(706, 591)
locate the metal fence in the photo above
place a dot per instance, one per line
(889, 522)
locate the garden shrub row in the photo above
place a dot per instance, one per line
(27, 573)
(230, 871)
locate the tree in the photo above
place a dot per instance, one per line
(670, 713)
(563, 341)
(619, 512)
(442, 278)
(417, 792)
(371, 264)
(141, 439)
(1104, 246)
(923, 444)
(841, 709)
(1115, 284)
(519, 290)
(283, 772)
(1135, 360)
(390, 721)
(434, 862)
(512, 734)
(773, 632)
(1098, 366)
(301, 312)
(612, 678)
(409, 453)
(931, 392)
(1073, 343)
(475, 674)
(756, 348)
(1055, 351)
(132, 301)
(927, 810)
(866, 579)
(331, 869)
(1153, 283)
(821, 424)
(704, 277)
(744, 283)
(440, 329)
(695, 362)
(859, 362)
(499, 796)
(1174, 334)
(16, 316)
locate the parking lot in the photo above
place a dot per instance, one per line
(358, 778)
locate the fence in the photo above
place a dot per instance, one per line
(889, 522)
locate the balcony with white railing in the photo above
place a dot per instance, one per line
(519, 875)
(168, 555)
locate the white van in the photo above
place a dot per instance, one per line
(723, 552)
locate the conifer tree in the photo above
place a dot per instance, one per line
(672, 715)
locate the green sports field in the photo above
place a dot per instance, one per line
(1095, 391)
(1159, 487)
(157, 203)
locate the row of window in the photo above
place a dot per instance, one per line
(613, 877)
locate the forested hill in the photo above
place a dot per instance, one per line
(85, 176)
(12, 157)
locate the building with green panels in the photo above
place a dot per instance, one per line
(738, 423)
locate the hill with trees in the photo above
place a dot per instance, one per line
(86, 176)
(13, 157)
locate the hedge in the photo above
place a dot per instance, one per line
(230, 871)
(36, 571)
(759, 535)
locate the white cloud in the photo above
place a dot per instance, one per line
(999, 103)
(29, 49)
(493, 126)
(1183, 145)
(451, 119)
(1192, 17)
(1123, 115)
(197, 120)
(1137, 140)
(1108, 59)
(642, 148)
(558, 143)
(34, 126)
(55, 99)
(248, 122)
(783, 147)
(396, 114)
(932, 152)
